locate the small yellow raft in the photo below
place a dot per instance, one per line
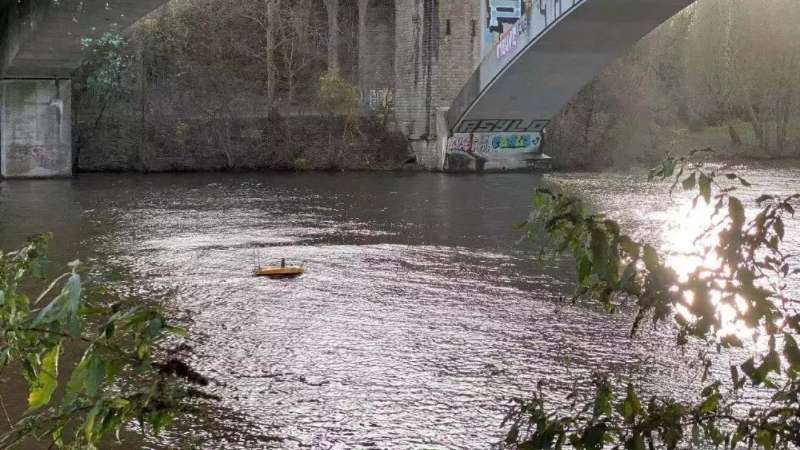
(279, 271)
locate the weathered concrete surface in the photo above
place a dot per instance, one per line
(35, 128)
(42, 38)
(544, 62)
(436, 50)
(40, 47)
(494, 152)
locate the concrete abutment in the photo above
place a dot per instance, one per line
(35, 128)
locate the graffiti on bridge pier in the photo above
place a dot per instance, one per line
(511, 38)
(512, 142)
(511, 24)
(502, 126)
(461, 143)
(495, 143)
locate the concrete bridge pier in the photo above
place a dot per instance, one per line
(35, 128)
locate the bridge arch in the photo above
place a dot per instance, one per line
(543, 61)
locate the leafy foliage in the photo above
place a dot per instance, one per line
(118, 377)
(105, 61)
(338, 96)
(744, 272)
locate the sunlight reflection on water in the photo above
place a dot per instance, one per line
(690, 237)
(421, 314)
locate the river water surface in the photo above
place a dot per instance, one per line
(421, 314)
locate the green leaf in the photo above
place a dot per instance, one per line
(584, 268)
(763, 198)
(602, 402)
(736, 211)
(629, 246)
(690, 182)
(636, 442)
(43, 386)
(88, 427)
(791, 351)
(73, 293)
(539, 200)
(631, 405)
(599, 247)
(76, 382)
(704, 185)
(779, 229)
(766, 439)
(96, 373)
(593, 438)
(710, 403)
(731, 340)
(668, 168)
(650, 258)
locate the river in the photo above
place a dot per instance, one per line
(421, 315)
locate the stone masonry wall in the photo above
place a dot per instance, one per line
(377, 54)
(437, 49)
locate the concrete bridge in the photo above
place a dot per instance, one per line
(540, 58)
(40, 47)
(475, 80)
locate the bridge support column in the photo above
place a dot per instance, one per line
(35, 128)
(363, 42)
(442, 137)
(332, 8)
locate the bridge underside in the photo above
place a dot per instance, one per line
(40, 47)
(42, 38)
(521, 92)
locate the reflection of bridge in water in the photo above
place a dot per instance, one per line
(491, 71)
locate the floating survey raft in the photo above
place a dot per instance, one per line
(279, 271)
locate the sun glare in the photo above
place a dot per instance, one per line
(690, 246)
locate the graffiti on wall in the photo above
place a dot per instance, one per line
(509, 41)
(526, 142)
(510, 24)
(507, 143)
(378, 99)
(460, 142)
(34, 160)
(501, 126)
(495, 143)
(501, 12)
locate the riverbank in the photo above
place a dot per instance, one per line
(173, 144)
(645, 146)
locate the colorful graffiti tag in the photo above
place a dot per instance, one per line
(502, 126)
(511, 38)
(501, 12)
(510, 24)
(508, 143)
(495, 143)
(378, 99)
(460, 143)
(518, 142)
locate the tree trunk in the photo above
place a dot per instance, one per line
(362, 44)
(759, 129)
(736, 140)
(332, 7)
(588, 120)
(272, 22)
(143, 104)
(783, 109)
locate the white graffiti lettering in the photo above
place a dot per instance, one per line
(511, 38)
